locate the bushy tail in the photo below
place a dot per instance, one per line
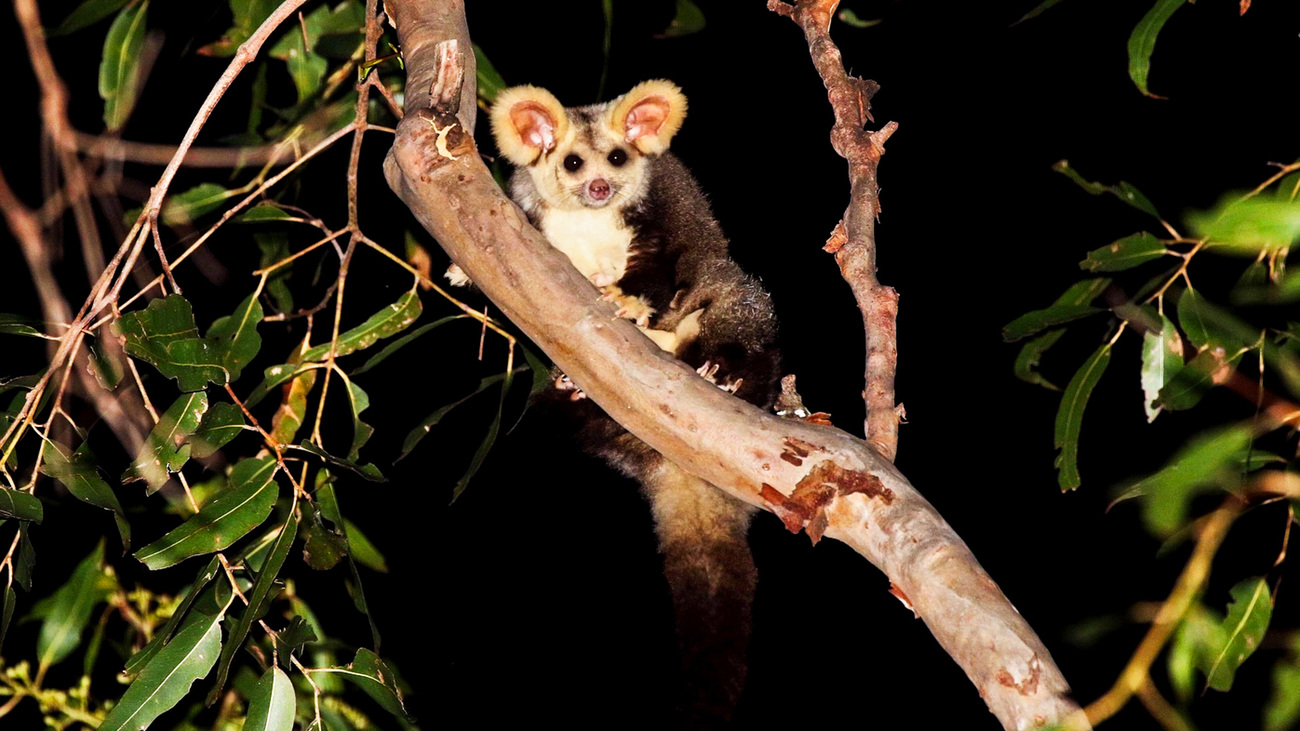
(710, 570)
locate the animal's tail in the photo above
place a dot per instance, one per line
(710, 570)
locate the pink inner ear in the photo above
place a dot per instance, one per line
(534, 124)
(645, 119)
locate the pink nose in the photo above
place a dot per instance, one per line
(598, 189)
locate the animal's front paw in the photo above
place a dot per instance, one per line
(457, 277)
(709, 372)
(564, 383)
(627, 306)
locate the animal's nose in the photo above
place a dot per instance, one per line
(598, 189)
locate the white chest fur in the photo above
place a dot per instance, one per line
(595, 240)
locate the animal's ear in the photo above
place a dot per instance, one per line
(649, 115)
(527, 121)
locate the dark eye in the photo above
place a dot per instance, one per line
(617, 157)
(572, 163)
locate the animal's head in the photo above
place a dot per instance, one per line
(587, 157)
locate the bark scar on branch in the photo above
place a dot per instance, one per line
(853, 241)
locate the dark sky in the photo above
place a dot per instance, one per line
(539, 594)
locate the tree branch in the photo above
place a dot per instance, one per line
(814, 477)
(853, 242)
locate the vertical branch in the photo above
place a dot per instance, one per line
(853, 241)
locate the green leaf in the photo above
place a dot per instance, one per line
(361, 549)
(1126, 253)
(1069, 416)
(168, 676)
(374, 677)
(1283, 708)
(146, 653)
(1191, 316)
(385, 323)
(1248, 226)
(848, 17)
(274, 247)
(25, 561)
(79, 474)
(6, 614)
(1198, 632)
(272, 704)
(689, 19)
(119, 71)
(183, 209)
(293, 408)
(85, 15)
(1208, 369)
(323, 546)
(1208, 460)
(20, 505)
(290, 640)
(264, 212)
(329, 509)
(1037, 11)
(1030, 354)
(17, 325)
(107, 367)
(167, 448)
(225, 520)
(489, 439)
(1142, 42)
(1244, 628)
(259, 601)
(222, 423)
(165, 336)
(368, 471)
(1162, 359)
(1039, 320)
(415, 435)
(403, 341)
(274, 376)
(1122, 190)
(490, 82)
(67, 611)
(234, 338)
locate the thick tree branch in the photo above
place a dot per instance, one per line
(853, 241)
(814, 477)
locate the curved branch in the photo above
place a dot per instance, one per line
(814, 477)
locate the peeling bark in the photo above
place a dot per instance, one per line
(823, 479)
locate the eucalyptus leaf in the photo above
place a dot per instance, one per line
(1142, 41)
(323, 545)
(1283, 708)
(1248, 226)
(85, 15)
(67, 611)
(374, 677)
(166, 680)
(20, 505)
(359, 401)
(1162, 359)
(292, 413)
(1038, 10)
(222, 423)
(25, 559)
(80, 476)
(362, 549)
(1244, 628)
(259, 601)
(489, 79)
(6, 614)
(1126, 253)
(415, 435)
(1209, 460)
(17, 325)
(220, 523)
(385, 323)
(119, 69)
(272, 704)
(1039, 320)
(688, 19)
(184, 208)
(1030, 354)
(1069, 416)
(1122, 190)
(167, 447)
(403, 341)
(165, 336)
(366, 470)
(1198, 376)
(489, 439)
(146, 653)
(235, 338)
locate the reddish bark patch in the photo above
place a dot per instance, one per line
(1026, 687)
(820, 417)
(847, 482)
(791, 459)
(797, 449)
(839, 237)
(771, 494)
(898, 594)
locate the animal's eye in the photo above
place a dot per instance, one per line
(572, 163)
(617, 157)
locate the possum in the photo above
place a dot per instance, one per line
(599, 183)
